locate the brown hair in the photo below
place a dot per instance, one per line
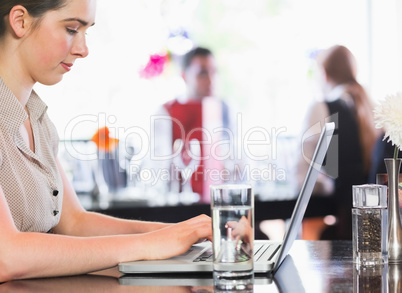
(340, 66)
(36, 8)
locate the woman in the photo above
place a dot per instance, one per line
(349, 156)
(39, 42)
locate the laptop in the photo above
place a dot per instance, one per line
(268, 255)
(286, 272)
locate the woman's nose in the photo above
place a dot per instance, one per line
(80, 48)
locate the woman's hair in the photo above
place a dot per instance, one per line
(340, 67)
(36, 8)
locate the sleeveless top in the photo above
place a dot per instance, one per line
(30, 181)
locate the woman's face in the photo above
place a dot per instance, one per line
(50, 50)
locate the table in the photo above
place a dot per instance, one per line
(312, 266)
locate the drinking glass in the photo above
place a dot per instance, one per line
(232, 209)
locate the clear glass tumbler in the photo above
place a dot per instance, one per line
(232, 209)
(370, 224)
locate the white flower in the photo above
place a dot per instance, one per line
(388, 115)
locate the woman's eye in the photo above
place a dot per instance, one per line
(71, 31)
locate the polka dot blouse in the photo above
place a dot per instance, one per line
(30, 180)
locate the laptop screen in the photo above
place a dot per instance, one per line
(306, 191)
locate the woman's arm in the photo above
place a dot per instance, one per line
(32, 255)
(78, 222)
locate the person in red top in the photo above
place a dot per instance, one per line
(199, 75)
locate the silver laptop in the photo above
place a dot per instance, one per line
(287, 271)
(268, 255)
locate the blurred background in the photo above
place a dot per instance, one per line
(265, 51)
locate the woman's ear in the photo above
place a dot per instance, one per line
(20, 20)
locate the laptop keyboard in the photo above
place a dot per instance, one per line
(207, 255)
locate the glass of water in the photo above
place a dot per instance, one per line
(232, 208)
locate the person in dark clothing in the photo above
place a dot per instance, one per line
(349, 156)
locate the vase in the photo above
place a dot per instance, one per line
(394, 218)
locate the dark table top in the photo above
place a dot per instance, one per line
(313, 266)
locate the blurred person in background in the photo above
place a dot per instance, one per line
(349, 157)
(187, 115)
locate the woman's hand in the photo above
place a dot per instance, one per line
(178, 238)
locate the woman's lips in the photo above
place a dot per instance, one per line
(67, 66)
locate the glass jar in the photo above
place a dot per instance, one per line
(370, 224)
